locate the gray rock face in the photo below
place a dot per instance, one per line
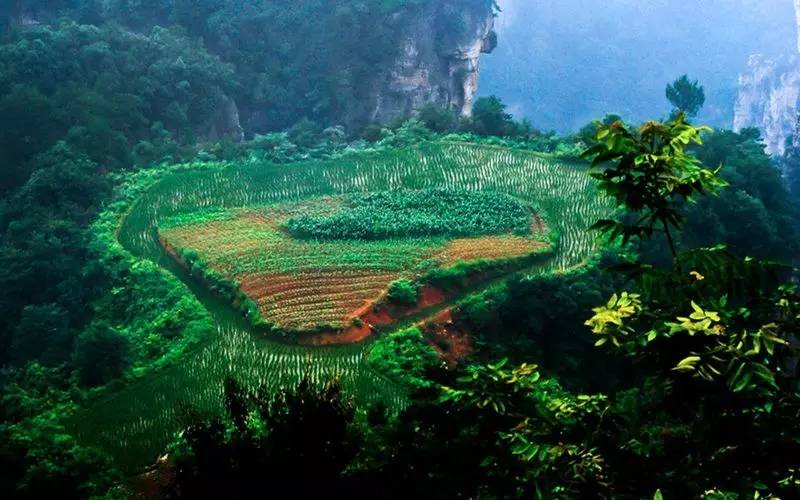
(439, 59)
(769, 95)
(225, 124)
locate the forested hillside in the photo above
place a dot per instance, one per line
(333, 62)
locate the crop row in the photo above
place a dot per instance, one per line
(563, 192)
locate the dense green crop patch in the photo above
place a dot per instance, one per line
(410, 213)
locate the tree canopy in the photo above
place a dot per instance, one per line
(686, 96)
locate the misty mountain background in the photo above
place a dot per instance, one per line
(552, 53)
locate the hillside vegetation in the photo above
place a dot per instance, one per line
(517, 314)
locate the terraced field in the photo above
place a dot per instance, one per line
(136, 423)
(322, 283)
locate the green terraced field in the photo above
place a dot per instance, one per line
(138, 421)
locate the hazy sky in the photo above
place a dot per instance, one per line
(561, 63)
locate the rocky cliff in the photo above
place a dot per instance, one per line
(768, 99)
(769, 96)
(439, 60)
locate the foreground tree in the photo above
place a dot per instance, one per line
(649, 173)
(712, 335)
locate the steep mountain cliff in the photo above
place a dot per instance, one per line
(439, 59)
(768, 100)
(769, 96)
(797, 19)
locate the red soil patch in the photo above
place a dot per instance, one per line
(372, 316)
(152, 484)
(350, 335)
(448, 338)
(384, 314)
(380, 317)
(430, 296)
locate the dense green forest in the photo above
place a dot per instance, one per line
(660, 364)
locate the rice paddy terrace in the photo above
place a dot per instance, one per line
(276, 233)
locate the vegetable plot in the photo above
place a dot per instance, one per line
(316, 265)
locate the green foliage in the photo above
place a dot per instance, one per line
(427, 212)
(712, 334)
(439, 118)
(686, 96)
(402, 292)
(647, 172)
(490, 431)
(539, 319)
(544, 413)
(569, 147)
(38, 456)
(44, 287)
(152, 310)
(409, 132)
(588, 132)
(754, 214)
(489, 117)
(153, 91)
(725, 326)
(305, 133)
(76, 101)
(405, 357)
(457, 276)
(100, 355)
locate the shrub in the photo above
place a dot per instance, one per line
(404, 356)
(402, 292)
